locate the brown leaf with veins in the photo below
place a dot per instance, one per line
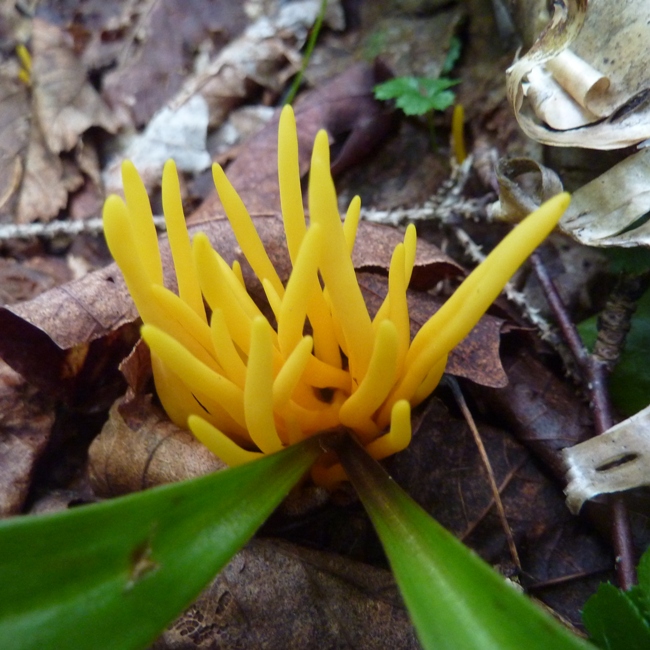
(65, 104)
(156, 54)
(26, 419)
(45, 184)
(14, 138)
(562, 560)
(140, 448)
(279, 596)
(542, 410)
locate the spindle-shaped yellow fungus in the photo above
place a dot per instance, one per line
(246, 389)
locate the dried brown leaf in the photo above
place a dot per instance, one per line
(283, 597)
(44, 189)
(14, 138)
(65, 103)
(264, 56)
(20, 281)
(156, 54)
(140, 448)
(594, 95)
(543, 411)
(444, 472)
(26, 419)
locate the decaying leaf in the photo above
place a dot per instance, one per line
(44, 189)
(266, 55)
(616, 460)
(41, 123)
(26, 419)
(443, 470)
(609, 210)
(541, 410)
(156, 52)
(139, 448)
(524, 184)
(282, 597)
(21, 281)
(14, 138)
(595, 93)
(65, 103)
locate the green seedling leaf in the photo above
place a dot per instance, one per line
(455, 599)
(112, 575)
(620, 620)
(630, 380)
(418, 95)
(614, 621)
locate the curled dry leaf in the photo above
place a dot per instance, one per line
(139, 448)
(595, 94)
(616, 460)
(524, 184)
(26, 419)
(605, 212)
(283, 597)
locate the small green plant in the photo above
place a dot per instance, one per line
(423, 95)
(620, 620)
(418, 95)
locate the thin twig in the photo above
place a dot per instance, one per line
(595, 373)
(460, 400)
(69, 228)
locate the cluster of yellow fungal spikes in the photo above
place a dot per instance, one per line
(246, 389)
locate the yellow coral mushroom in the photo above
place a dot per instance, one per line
(246, 389)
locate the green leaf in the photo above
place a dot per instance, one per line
(630, 381)
(455, 599)
(614, 622)
(112, 575)
(418, 95)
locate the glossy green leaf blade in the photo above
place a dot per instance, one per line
(614, 621)
(112, 575)
(455, 599)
